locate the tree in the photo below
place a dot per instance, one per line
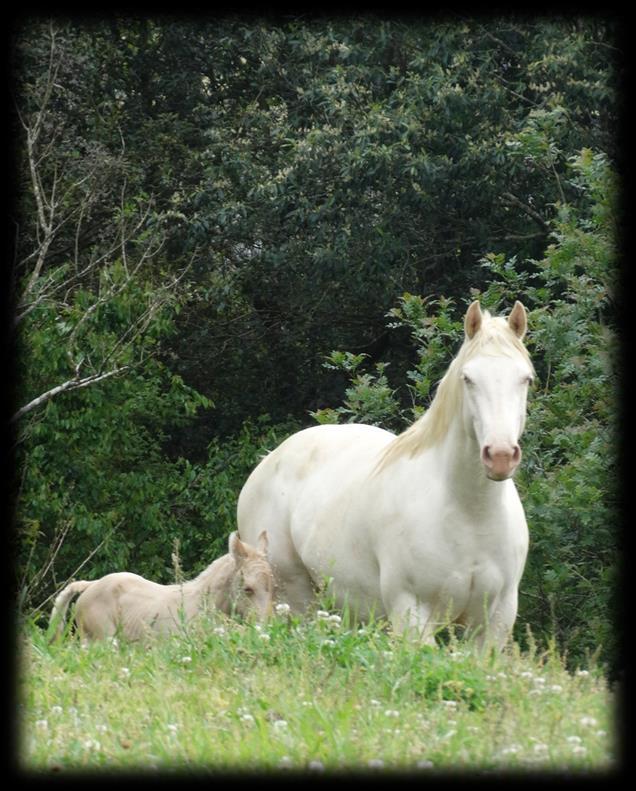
(92, 305)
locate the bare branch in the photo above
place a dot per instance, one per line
(532, 213)
(71, 384)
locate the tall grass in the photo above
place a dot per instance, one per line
(317, 694)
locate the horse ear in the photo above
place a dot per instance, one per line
(262, 542)
(472, 320)
(518, 320)
(236, 547)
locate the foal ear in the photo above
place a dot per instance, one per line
(518, 320)
(472, 319)
(237, 547)
(262, 542)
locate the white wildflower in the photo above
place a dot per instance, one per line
(582, 673)
(601, 734)
(573, 739)
(92, 744)
(220, 630)
(391, 713)
(375, 763)
(280, 725)
(556, 688)
(172, 727)
(264, 636)
(579, 749)
(512, 749)
(450, 704)
(588, 722)
(374, 702)
(285, 762)
(124, 671)
(336, 620)
(185, 660)
(316, 766)
(42, 725)
(56, 710)
(328, 642)
(282, 609)
(247, 718)
(322, 615)
(424, 764)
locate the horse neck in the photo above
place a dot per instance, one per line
(457, 459)
(215, 581)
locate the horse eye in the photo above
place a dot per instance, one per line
(467, 379)
(248, 590)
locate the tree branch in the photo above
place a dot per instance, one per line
(71, 384)
(508, 197)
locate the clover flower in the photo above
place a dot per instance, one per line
(375, 763)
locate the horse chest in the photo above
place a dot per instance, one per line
(460, 560)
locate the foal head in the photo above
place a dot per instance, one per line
(253, 580)
(495, 371)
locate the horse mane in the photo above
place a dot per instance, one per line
(494, 337)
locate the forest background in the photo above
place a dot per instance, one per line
(229, 229)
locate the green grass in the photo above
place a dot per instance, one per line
(310, 695)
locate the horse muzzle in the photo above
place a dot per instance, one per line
(501, 460)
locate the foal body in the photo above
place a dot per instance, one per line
(123, 603)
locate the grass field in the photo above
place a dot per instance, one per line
(313, 695)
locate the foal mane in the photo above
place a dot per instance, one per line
(494, 337)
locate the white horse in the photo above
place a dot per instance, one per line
(122, 603)
(427, 527)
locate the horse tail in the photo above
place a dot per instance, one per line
(61, 604)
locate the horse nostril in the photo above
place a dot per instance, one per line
(496, 456)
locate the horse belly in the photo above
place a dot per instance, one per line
(300, 494)
(342, 562)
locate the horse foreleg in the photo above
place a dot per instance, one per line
(413, 618)
(494, 626)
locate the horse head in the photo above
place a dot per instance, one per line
(495, 371)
